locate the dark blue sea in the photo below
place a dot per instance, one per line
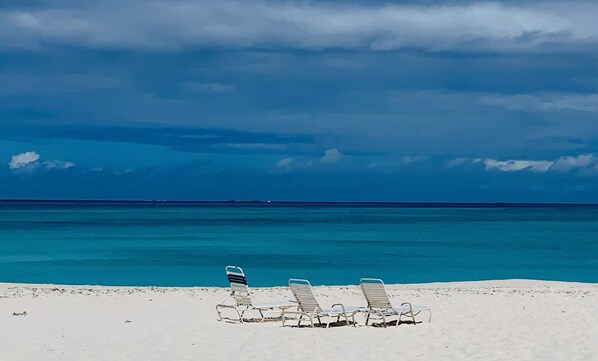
(189, 244)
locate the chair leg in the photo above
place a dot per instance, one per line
(383, 320)
(409, 313)
(218, 307)
(301, 314)
(219, 315)
(346, 318)
(353, 318)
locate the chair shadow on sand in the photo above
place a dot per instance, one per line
(306, 324)
(252, 320)
(394, 323)
(379, 323)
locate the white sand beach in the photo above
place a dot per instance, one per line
(493, 320)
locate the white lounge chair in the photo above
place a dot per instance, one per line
(239, 298)
(308, 305)
(379, 304)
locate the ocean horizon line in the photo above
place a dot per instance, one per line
(302, 203)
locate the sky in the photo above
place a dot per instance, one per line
(415, 101)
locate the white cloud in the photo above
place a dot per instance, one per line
(581, 161)
(58, 164)
(514, 165)
(285, 163)
(160, 24)
(30, 161)
(23, 160)
(331, 156)
(561, 164)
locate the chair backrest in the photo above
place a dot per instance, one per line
(303, 294)
(238, 285)
(374, 292)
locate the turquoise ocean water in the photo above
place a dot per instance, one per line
(188, 244)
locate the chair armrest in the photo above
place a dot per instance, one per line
(410, 307)
(339, 304)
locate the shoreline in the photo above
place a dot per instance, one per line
(500, 283)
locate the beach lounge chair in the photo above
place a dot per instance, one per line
(240, 300)
(379, 304)
(308, 305)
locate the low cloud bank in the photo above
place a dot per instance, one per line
(166, 25)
